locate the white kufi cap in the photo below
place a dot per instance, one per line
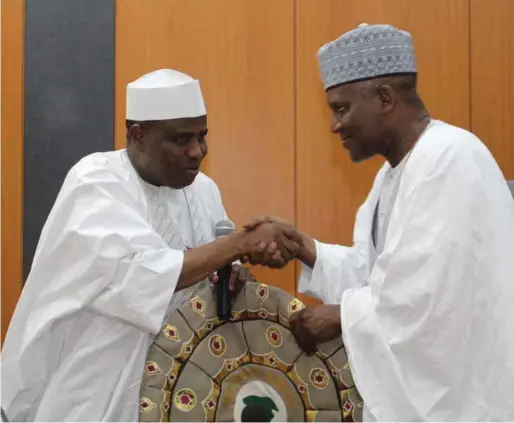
(164, 94)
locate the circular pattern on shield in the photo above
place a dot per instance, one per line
(185, 399)
(318, 378)
(273, 336)
(217, 345)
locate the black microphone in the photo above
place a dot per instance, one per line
(224, 228)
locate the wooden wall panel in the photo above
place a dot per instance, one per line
(12, 156)
(330, 187)
(492, 78)
(242, 51)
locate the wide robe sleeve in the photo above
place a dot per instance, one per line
(98, 251)
(431, 337)
(337, 267)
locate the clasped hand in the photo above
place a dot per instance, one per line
(271, 242)
(267, 241)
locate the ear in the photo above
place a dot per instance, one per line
(136, 134)
(387, 98)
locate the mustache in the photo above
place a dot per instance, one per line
(344, 133)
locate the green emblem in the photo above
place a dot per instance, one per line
(258, 409)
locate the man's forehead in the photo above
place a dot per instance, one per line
(341, 93)
(348, 92)
(186, 124)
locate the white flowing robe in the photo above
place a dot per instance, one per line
(102, 281)
(429, 323)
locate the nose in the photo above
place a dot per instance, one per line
(195, 150)
(335, 125)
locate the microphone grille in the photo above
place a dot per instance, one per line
(223, 228)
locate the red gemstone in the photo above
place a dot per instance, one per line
(211, 404)
(151, 368)
(274, 336)
(216, 345)
(171, 332)
(272, 360)
(319, 378)
(262, 292)
(301, 388)
(185, 399)
(198, 306)
(347, 406)
(293, 307)
(144, 404)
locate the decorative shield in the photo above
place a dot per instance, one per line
(247, 369)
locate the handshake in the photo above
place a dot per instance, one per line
(273, 242)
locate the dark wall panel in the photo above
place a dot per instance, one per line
(69, 98)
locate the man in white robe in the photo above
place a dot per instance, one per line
(130, 237)
(424, 299)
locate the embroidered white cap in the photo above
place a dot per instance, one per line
(368, 51)
(164, 94)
